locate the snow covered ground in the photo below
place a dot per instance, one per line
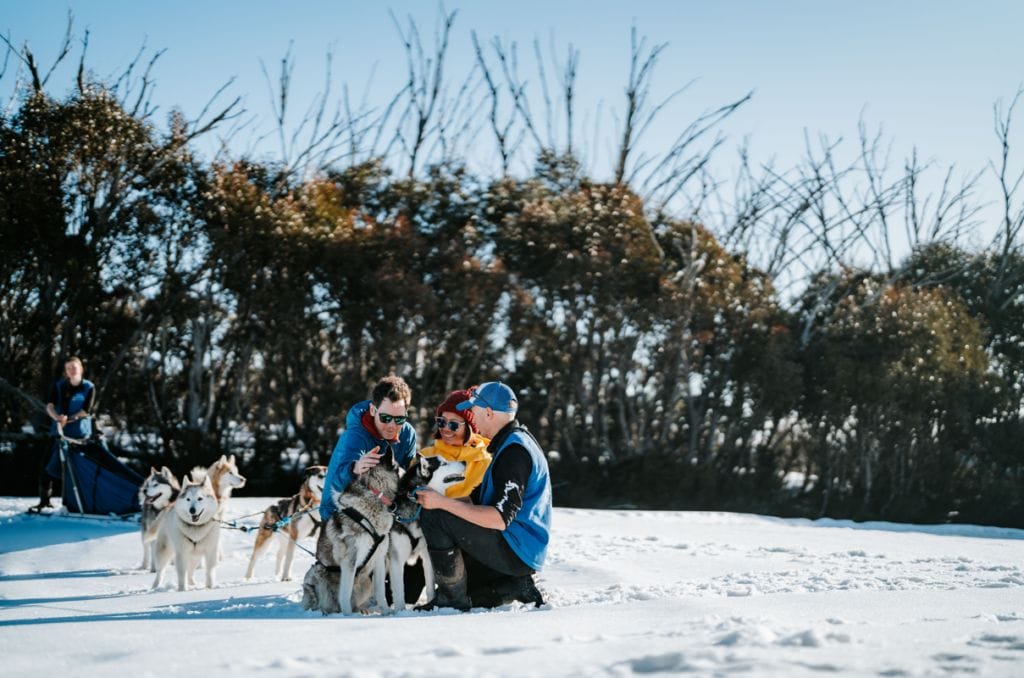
(628, 592)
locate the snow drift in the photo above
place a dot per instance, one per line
(628, 592)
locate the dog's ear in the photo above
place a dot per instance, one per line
(389, 457)
(231, 460)
(166, 472)
(152, 470)
(208, 484)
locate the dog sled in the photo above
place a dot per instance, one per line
(95, 483)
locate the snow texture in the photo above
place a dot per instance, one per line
(629, 592)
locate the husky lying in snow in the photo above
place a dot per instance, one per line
(156, 494)
(303, 520)
(355, 539)
(407, 542)
(320, 588)
(189, 533)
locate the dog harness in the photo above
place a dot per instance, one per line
(419, 507)
(202, 535)
(362, 521)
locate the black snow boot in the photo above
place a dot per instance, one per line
(450, 575)
(507, 590)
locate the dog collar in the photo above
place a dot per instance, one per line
(380, 495)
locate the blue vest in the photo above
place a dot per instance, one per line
(528, 533)
(82, 428)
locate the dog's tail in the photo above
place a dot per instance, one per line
(198, 474)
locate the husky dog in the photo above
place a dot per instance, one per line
(320, 588)
(157, 492)
(407, 542)
(303, 520)
(189, 533)
(356, 537)
(224, 477)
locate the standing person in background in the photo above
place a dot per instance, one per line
(69, 406)
(503, 535)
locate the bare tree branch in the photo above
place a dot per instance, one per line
(65, 48)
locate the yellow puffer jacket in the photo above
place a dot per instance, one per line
(474, 454)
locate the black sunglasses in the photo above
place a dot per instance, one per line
(452, 425)
(388, 418)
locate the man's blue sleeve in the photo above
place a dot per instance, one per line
(339, 471)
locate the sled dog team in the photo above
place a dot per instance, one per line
(467, 518)
(182, 523)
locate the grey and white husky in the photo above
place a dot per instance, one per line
(303, 519)
(356, 540)
(407, 544)
(190, 532)
(156, 494)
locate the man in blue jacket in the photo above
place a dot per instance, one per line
(371, 426)
(69, 406)
(503, 534)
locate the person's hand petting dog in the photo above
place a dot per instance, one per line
(367, 461)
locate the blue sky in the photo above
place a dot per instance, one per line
(927, 71)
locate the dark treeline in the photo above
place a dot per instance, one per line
(671, 348)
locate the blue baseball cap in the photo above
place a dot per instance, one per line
(492, 394)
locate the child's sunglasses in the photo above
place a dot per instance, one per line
(451, 425)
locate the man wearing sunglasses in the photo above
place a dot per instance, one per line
(502, 536)
(370, 427)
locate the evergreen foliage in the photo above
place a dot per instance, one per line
(239, 306)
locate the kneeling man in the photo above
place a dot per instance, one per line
(501, 538)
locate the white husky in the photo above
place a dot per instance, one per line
(224, 477)
(189, 533)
